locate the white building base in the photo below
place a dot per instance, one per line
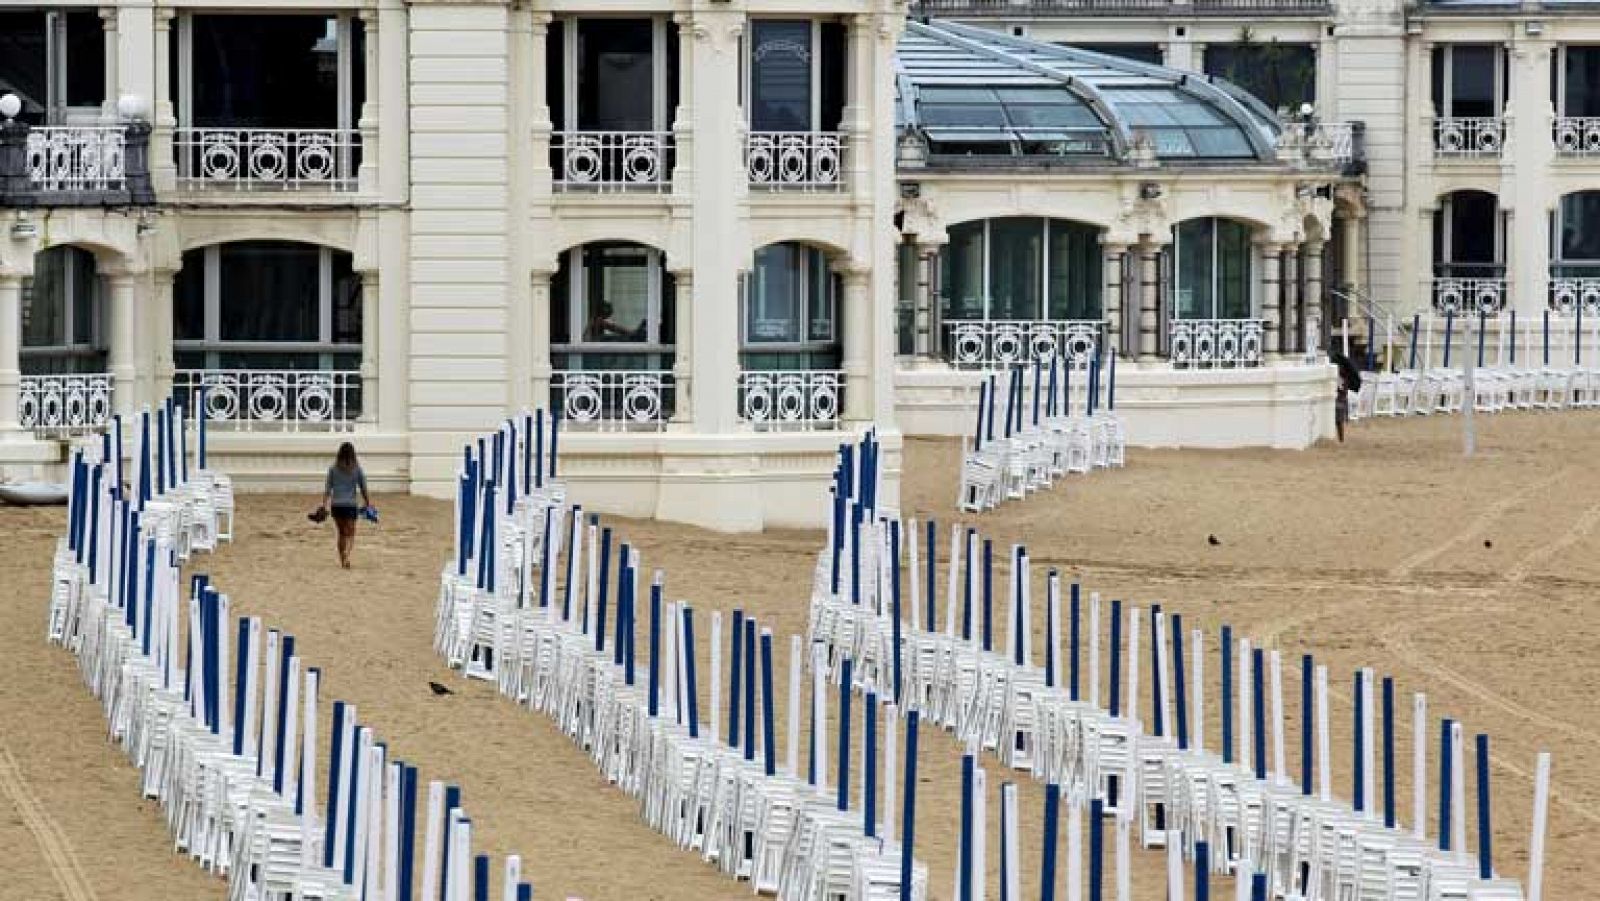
(1285, 405)
(24, 458)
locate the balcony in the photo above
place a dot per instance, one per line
(618, 401)
(607, 161)
(796, 160)
(794, 399)
(59, 166)
(265, 159)
(1576, 136)
(59, 406)
(1342, 144)
(1001, 344)
(273, 400)
(1468, 296)
(1480, 137)
(1216, 343)
(1122, 7)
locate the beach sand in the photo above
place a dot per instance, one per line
(1473, 581)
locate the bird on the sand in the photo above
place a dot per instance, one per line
(439, 689)
(1213, 540)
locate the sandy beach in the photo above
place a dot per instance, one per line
(1471, 580)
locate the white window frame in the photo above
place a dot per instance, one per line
(344, 31)
(747, 65)
(577, 305)
(808, 261)
(660, 116)
(213, 345)
(97, 312)
(1253, 287)
(1447, 91)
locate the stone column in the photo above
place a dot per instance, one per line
(1113, 255)
(1291, 300)
(1351, 252)
(857, 339)
(108, 25)
(683, 357)
(925, 311)
(683, 117)
(539, 132)
(163, 171)
(1271, 297)
(541, 338)
(367, 116)
(124, 362)
(10, 350)
(857, 123)
(1149, 300)
(1316, 337)
(159, 321)
(370, 316)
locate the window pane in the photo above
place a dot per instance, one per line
(1144, 53)
(265, 71)
(189, 297)
(1015, 257)
(86, 58)
(1193, 288)
(822, 288)
(617, 279)
(1474, 221)
(1473, 69)
(1583, 81)
(24, 63)
(961, 278)
(1580, 226)
(269, 291)
(615, 78)
(780, 76)
(85, 289)
(1233, 270)
(1282, 76)
(347, 309)
(776, 297)
(44, 301)
(1075, 283)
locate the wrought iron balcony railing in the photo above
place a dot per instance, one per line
(1001, 343)
(1481, 136)
(248, 159)
(1216, 343)
(261, 399)
(1568, 295)
(624, 400)
(1121, 7)
(1577, 136)
(77, 165)
(61, 405)
(800, 399)
(1454, 295)
(804, 160)
(611, 160)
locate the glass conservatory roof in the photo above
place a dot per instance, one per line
(972, 91)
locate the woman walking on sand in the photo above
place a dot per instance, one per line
(345, 482)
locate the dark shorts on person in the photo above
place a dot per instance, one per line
(345, 513)
(1341, 412)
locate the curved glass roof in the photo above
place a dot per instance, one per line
(975, 92)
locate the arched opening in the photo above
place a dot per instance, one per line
(272, 330)
(63, 354)
(64, 326)
(1575, 255)
(1019, 288)
(613, 322)
(1469, 270)
(1210, 269)
(791, 341)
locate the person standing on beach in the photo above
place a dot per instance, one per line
(345, 482)
(1349, 380)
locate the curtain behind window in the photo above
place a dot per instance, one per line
(1075, 279)
(269, 291)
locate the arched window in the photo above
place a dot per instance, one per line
(790, 309)
(63, 326)
(1576, 236)
(1210, 269)
(267, 305)
(612, 307)
(1468, 236)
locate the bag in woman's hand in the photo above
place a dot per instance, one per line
(320, 515)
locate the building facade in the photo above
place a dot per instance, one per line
(714, 235)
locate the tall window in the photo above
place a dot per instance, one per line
(791, 310)
(613, 307)
(267, 305)
(1022, 268)
(1283, 76)
(795, 77)
(1469, 81)
(1211, 269)
(268, 71)
(1575, 81)
(62, 324)
(1468, 236)
(55, 62)
(1576, 236)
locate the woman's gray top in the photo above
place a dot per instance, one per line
(346, 488)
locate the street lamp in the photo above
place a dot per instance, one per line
(10, 106)
(131, 106)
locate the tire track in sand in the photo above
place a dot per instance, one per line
(58, 854)
(1580, 530)
(1480, 522)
